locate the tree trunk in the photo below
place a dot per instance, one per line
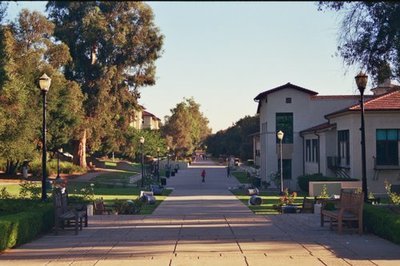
(80, 150)
(11, 167)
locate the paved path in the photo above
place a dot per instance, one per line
(203, 224)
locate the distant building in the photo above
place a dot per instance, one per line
(150, 121)
(144, 120)
(321, 134)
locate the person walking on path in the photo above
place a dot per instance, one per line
(203, 176)
(228, 171)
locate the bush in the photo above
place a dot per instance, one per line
(35, 167)
(22, 227)
(382, 222)
(304, 180)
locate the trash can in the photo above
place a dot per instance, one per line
(172, 173)
(163, 181)
(255, 200)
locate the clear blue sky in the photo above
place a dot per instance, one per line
(225, 53)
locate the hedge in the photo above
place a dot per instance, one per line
(382, 222)
(22, 227)
(305, 179)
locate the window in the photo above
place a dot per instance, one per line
(284, 122)
(288, 100)
(287, 168)
(315, 150)
(387, 146)
(344, 147)
(312, 150)
(308, 150)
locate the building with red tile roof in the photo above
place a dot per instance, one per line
(322, 134)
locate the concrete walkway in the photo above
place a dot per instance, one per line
(204, 224)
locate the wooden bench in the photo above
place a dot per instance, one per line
(62, 213)
(350, 210)
(100, 208)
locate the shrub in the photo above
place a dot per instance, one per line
(35, 167)
(4, 194)
(22, 227)
(30, 189)
(382, 222)
(304, 180)
(128, 206)
(394, 198)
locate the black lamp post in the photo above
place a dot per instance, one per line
(58, 164)
(168, 169)
(158, 165)
(44, 85)
(141, 148)
(280, 135)
(361, 81)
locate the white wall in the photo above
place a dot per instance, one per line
(307, 112)
(373, 121)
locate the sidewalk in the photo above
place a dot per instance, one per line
(99, 171)
(204, 224)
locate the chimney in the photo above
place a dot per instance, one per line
(385, 87)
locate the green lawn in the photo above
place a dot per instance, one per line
(241, 177)
(109, 194)
(268, 201)
(114, 177)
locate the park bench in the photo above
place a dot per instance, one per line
(63, 213)
(350, 210)
(100, 208)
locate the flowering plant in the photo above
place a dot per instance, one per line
(287, 198)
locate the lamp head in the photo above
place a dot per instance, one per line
(141, 140)
(44, 83)
(361, 81)
(280, 135)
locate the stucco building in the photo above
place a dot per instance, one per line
(321, 134)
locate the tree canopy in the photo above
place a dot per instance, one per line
(113, 46)
(370, 36)
(186, 128)
(235, 140)
(27, 51)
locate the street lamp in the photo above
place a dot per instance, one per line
(141, 148)
(361, 81)
(58, 164)
(44, 85)
(168, 170)
(280, 135)
(158, 164)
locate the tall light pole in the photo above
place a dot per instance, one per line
(158, 164)
(280, 135)
(142, 159)
(361, 81)
(58, 164)
(168, 170)
(44, 85)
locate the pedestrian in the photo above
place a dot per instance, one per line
(203, 176)
(228, 171)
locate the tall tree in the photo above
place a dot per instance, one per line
(186, 128)
(370, 36)
(27, 51)
(114, 46)
(235, 140)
